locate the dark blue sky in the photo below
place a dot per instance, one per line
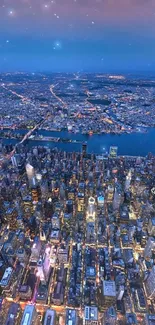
(72, 35)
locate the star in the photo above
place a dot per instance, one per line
(57, 45)
(11, 13)
(46, 6)
(7, 41)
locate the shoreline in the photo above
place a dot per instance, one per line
(90, 133)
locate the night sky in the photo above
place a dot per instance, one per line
(77, 35)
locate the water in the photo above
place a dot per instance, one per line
(134, 144)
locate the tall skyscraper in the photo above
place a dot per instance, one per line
(150, 246)
(110, 193)
(30, 316)
(110, 316)
(117, 198)
(128, 181)
(15, 159)
(113, 152)
(50, 317)
(30, 174)
(91, 209)
(151, 227)
(150, 284)
(84, 149)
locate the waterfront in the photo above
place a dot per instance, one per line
(128, 144)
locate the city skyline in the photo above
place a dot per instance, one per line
(76, 35)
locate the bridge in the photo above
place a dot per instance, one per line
(26, 136)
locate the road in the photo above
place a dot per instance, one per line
(29, 133)
(57, 97)
(23, 98)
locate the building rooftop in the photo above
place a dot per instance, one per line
(50, 316)
(91, 313)
(71, 317)
(27, 315)
(109, 288)
(6, 277)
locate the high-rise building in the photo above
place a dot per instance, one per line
(28, 206)
(30, 316)
(55, 221)
(110, 316)
(90, 219)
(110, 193)
(149, 319)
(30, 174)
(25, 292)
(44, 190)
(150, 284)
(6, 279)
(71, 317)
(117, 198)
(120, 292)
(43, 266)
(91, 209)
(11, 217)
(50, 317)
(91, 315)
(36, 193)
(128, 181)
(113, 152)
(81, 203)
(13, 315)
(48, 206)
(100, 200)
(151, 226)
(150, 247)
(69, 206)
(35, 250)
(16, 158)
(109, 293)
(84, 149)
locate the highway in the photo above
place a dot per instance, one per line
(58, 98)
(23, 98)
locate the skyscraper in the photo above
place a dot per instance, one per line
(110, 316)
(150, 284)
(29, 315)
(113, 152)
(150, 246)
(84, 149)
(128, 181)
(151, 227)
(30, 174)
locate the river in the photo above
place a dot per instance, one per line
(134, 144)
